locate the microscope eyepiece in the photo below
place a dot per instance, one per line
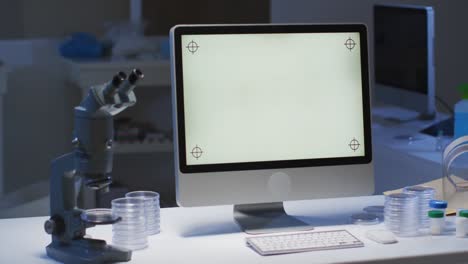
(112, 87)
(135, 75)
(127, 86)
(118, 79)
(122, 75)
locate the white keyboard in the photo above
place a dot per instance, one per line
(304, 241)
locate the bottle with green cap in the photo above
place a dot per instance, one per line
(462, 224)
(461, 113)
(437, 221)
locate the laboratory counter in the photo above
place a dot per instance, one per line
(210, 235)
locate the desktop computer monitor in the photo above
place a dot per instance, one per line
(270, 113)
(404, 57)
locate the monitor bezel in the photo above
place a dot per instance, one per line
(177, 47)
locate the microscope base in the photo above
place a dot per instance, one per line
(89, 251)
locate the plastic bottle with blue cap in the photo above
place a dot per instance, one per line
(461, 113)
(438, 205)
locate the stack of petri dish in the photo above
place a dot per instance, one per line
(130, 232)
(152, 209)
(364, 219)
(401, 214)
(425, 195)
(377, 210)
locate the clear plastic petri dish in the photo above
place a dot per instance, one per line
(127, 202)
(365, 219)
(374, 209)
(147, 195)
(131, 231)
(152, 209)
(132, 228)
(134, 245)
(401, 213)
(420, 189)
(99, 216)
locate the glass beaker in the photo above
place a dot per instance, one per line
(455, 173)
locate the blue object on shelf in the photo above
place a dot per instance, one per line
(461, 113)
(461, 118)
(81, 46)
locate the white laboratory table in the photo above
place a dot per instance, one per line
(209, 235)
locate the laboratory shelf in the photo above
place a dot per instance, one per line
(144, 147)
(87, 73)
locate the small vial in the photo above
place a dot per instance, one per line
(438, 205)
(437, 222)
(462, 224)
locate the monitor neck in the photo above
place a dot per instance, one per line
(264, 218)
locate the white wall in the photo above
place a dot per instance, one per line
(451, 34)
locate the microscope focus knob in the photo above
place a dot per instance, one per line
(50, 226)
(54, 226)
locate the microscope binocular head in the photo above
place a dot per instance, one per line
(119, 92)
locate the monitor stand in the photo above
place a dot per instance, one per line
(266, 218)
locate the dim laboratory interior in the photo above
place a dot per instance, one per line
(270, 131)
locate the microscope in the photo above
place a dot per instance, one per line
(79, 178)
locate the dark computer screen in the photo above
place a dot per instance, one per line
(401, 55)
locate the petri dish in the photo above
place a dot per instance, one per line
(374, 209)
(99, 216)
(365, 219)
(146, 195)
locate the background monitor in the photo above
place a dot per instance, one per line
(404, 57)
(270, 113)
